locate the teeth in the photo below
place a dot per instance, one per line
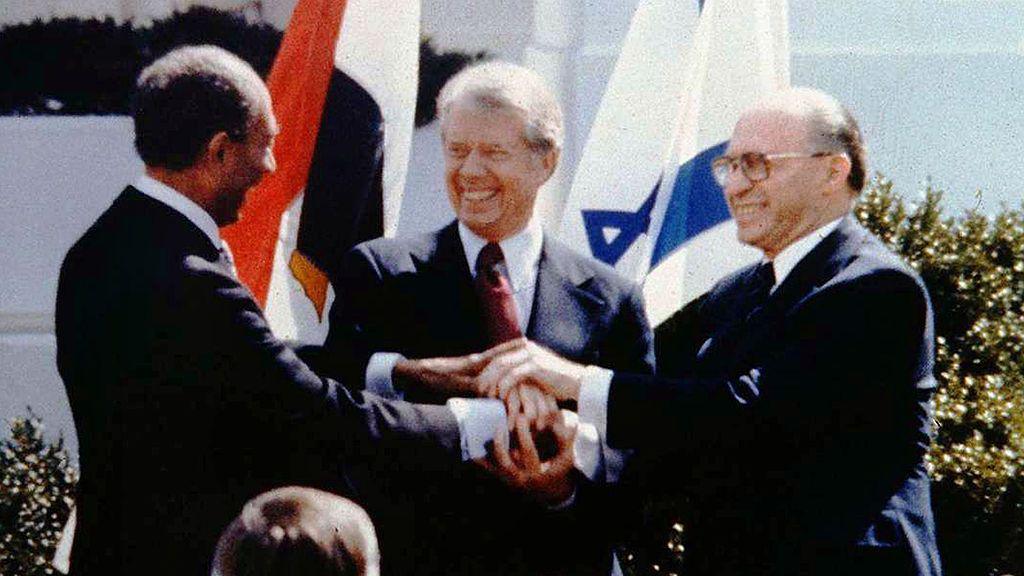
(745, 210)
(476, 195)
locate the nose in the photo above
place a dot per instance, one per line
(473, 164)
(269, 162)
(737, 182)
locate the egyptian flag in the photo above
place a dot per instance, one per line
(643, 198)
(344, 91)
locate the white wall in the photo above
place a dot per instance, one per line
(56, 176)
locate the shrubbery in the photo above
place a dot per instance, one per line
(74, 67)
(974, 269)
(37, 486)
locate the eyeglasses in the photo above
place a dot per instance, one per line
(755, 166)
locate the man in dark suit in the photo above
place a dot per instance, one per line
(185, 404)
(792, 400)
(404, 305)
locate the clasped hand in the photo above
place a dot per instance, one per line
(530, 380)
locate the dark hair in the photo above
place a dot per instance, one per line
(298, 530)
(186, 97)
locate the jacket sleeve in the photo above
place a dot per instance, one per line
(265, 389)
(848, 355)
(361, 323)
(629, 346)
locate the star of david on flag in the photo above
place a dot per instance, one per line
(643, 198)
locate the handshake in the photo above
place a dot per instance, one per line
(536, 456)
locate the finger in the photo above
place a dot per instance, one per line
(546, 408)
(528, 450)
(513, 404)
(565, 434)
(503, 348)
(529, 402)
(515, 375)
(497, 369)
(552, 404)
(503, 460)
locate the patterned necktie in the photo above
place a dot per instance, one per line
(495, 294)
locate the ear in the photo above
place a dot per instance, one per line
(217, 147)
(550, 162)
(838, 169)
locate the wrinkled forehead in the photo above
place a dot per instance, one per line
(471, 119)
(769, 130)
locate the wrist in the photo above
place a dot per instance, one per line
(405, 373)
(559, 495)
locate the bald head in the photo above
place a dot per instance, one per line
(829, 125)
(795, 162)
(298, 530)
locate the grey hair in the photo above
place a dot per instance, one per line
(831, 126)
(497, 85)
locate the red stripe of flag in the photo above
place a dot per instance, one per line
(298, 86)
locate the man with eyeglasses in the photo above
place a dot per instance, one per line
(791, 405)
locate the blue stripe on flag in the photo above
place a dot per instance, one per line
(696, 204)
(625, 226)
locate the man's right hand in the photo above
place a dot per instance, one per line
(451, 377)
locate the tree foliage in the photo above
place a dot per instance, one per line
(973, 266)
(70, 66)
(37, 484)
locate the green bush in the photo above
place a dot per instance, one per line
(973, 266)
(974, 269)
(37, 485)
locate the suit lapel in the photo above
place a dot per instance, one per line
(449, 295)
(166, 222)
(819, 266)
(564, 309)
(744, 332)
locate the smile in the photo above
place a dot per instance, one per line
(479, 195)
(745, 210)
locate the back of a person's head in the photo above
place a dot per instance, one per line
(298, 532)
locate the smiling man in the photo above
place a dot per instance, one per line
(792, 401)
(489, 277)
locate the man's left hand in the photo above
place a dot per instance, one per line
(547, 481)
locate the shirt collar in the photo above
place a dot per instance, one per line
(521, 250)
(180, 203)
(791, 255)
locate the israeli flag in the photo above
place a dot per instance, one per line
(644, 199)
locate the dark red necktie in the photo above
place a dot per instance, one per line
(495, 293)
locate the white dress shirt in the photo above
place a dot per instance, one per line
(522, 260)
(182, 204)
(478, 418)
(595, 383)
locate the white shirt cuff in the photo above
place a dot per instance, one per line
(594, 458)
(593, 400)
(378, 374)
(479, 419)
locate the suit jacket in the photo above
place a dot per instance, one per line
(186, 405)
(415, 296)
(797, 428)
